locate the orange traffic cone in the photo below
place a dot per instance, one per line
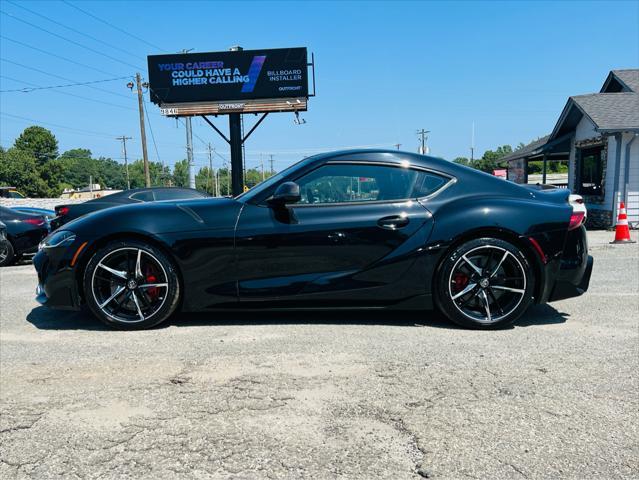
(622, 232)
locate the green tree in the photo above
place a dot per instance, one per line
(204, 181)
(181, 173)
(39, 142)
(18, 168)
(224, 179)
(159, 174)
(462, 161)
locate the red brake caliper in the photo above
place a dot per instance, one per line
(151, 278)
(460, 280)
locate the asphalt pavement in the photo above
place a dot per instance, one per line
(326, 395)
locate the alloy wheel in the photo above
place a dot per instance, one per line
(487, 284)
(129, 285)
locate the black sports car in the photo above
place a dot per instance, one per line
(66, 213)
(24, 233)
(351, 229)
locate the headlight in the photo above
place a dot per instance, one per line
(63, 238)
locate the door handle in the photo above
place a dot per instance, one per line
(393, 222)
(337, 237)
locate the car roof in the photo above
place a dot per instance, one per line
(125, 194)
(460, 172)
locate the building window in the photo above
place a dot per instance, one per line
(590, 171)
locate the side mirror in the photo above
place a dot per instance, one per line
(287, 192)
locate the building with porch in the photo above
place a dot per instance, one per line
(597, 134)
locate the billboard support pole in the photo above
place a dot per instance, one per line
(236, 141)
(235, 134)
(254, 127)
(189, 152)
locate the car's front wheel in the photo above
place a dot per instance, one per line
(484, 283)
(129, 284)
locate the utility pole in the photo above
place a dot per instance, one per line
(262, 165)
(271, 160)
(145, 156)
(189, 152)
(210, 150)
(228, 180)
(472, 143)
(123, 139)
(397, 145)
(424, 136)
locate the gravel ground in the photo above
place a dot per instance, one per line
(352, 395)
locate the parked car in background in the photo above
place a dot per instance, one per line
(47, 214)
(10, 192)
(67, 212)
(3, 242)
(24, 233)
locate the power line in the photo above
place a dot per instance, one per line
(55, 55)
(67, 40)
(72, 29)
(31, 89)
(64, 127)
(70, 94)
(111, 25)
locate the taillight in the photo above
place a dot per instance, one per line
(62, 210)
(34, 221)
(575, 220)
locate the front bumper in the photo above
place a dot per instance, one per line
(57, 284)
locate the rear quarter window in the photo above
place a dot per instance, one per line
(145, 196)
(177, 194)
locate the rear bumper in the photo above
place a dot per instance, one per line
(575, 270)
(574, 287)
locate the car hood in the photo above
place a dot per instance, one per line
(159, 217)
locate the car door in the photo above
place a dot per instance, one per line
(347, 241)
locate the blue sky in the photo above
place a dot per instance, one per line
(384, 70)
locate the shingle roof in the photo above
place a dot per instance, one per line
(611, 111)
(629, 77)
(526, 150)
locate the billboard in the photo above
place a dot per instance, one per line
(243, 75)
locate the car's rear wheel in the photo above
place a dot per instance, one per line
(7, 254)
(131, 285)
(484, 283)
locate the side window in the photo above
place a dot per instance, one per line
(352, 183)
(145, 196)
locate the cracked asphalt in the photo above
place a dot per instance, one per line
(326, 395)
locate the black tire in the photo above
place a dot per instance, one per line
(485, 283)
(8, 256)
(134, 308)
